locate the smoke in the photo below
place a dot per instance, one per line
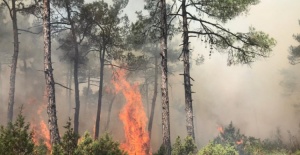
(252, 97)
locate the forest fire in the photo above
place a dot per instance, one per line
(40, 129)
(133, 117)
(239, 142)
(220, 129)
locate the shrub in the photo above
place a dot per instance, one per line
(188, 148)
(217, 149)
(105, 145)
(16, 138)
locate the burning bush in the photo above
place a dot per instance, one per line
(231, 137)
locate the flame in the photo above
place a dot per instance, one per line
(239, 142)
(133, 116)
(220, 129)
(40, 130)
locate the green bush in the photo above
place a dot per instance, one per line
(86, 145)
(217, 149)
(187, 148)
(160, 151)
(105, 145)
(40, 148)
(16, 138)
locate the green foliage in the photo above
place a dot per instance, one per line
(16, 138)
(40, 148)
(187, 148)
(244, 48)
(250, 145)
(294, 51)
(69, 140)
(68, 144)
(105, 145)
(86, 145)
(217, 149)
(225, 10)
(230, 135)
(160, 151)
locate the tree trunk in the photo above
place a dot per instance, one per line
(76, 83)
(70, 91)
(48, 70)
(147, 97)
(1, 93)
(164, 80)
(186, 74)
(14, 62)
(88, 90)
(154, 98)
(25, 73)
(98, 116)
(109, 111)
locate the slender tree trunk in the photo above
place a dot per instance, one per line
(70, 91)
(76, 83)
(154, 97)
(109, 111)
(164, 80)
(48, 70)
(1, 93)
(147, 98)
(25, 73)
(87, 92)
(98, 116)
(11, 99)
(186, 74)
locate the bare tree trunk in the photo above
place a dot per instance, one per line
(76, 83)
(147, 98)
(14, 62)
(88, 90)
(109, 111)
(164, 80)
(1, 98)
(70, 91)
(51, 108)
(186, 74)
(98, 116)
(154, 97)
(1, 91)
(25, 73)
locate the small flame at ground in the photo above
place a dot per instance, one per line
(239, 142)
(220, 129)
(133, 117)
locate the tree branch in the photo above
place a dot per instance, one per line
(30, 31)
(63, 86)
(9, 9)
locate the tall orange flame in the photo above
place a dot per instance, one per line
(40, 130)
(133, 117)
